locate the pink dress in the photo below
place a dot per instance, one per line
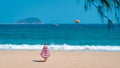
(45, 52)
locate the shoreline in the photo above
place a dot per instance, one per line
(59, 59)
(87, 50)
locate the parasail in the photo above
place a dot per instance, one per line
(77, 21)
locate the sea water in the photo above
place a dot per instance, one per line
(66, 37)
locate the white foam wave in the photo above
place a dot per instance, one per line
(63, 47)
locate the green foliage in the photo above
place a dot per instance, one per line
(105, 8)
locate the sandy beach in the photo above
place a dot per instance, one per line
(58, 59)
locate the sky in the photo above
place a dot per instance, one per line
(48, 11)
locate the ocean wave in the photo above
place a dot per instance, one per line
(63, 47)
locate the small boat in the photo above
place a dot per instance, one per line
(56, 24)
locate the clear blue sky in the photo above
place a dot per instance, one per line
(49, 11)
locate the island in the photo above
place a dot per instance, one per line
(31, 20)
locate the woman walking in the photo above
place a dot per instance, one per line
(45, 53)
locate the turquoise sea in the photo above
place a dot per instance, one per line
(78, 37)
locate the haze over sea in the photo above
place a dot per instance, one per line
(71, 37)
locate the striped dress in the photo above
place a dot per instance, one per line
(45, 52)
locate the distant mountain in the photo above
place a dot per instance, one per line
(31, 20)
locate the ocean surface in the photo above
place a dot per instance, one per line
(68, 37)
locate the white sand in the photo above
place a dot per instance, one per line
(32, 59)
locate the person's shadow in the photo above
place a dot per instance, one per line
(38, 60)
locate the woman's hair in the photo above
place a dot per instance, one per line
(45, 44)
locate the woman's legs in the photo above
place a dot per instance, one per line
(45, 59)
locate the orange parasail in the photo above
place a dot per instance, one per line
(77, 21)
